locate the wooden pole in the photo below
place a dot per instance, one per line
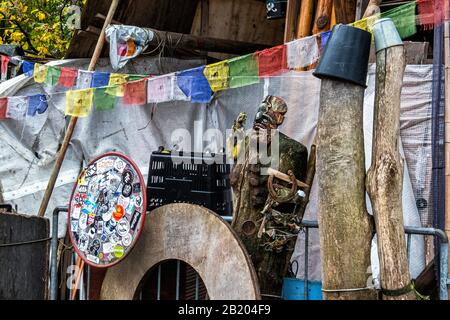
(305, 18)
(323, 16)
(292, 11)
(385, 176)
(345, 11)
(73, 120)
(345, 227)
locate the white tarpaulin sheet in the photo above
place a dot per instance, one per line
(28, 147)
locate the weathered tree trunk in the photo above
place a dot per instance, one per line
(305, 19)
(250, 189)
(345, 227)
(385, 176)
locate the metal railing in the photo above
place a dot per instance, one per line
(409, 231)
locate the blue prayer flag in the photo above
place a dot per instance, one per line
(194, 85)
(324, 39)
(100, 79)
(28, 68)
(37, 103)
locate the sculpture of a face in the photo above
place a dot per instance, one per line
(270, 114)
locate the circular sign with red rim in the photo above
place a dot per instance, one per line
(107, 210)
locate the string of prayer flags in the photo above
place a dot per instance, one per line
(194, 85)
(272, 61)
(218, 75)
(37, 104)
(404, 18)
(28, 68)
(117, 80)
(104, 98)
(135, 93)
(67, 77)
(302, 52)
(52, 76)
(79, 102)
(4, 67)
(243, 71)
(100, 79)
(16, 107)
(84, 79)
(3, 107)
(159, 89)
(40, 72)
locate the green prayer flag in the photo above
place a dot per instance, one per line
(52, 76)
(134, 77)
(243, 71)
(404, 18)
(104, 98)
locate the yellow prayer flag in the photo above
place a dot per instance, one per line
(117, 80)
(360, 24)
(79, 102)
(218, 75)
(40, 72)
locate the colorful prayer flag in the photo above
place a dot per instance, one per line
(302, 52)
(3, 107)
(404, 18)
(79, 102)
(40, 72)
(67, 77)
(218, 75)
(243, 71)
(37, 104)
(194, 85)
(28, 68)
(117, 80)
(16, 107)
(84, 79)
(324, 36)
(159, 89)
(52, 75)
(100, 79)
(104, 98)
(135, 93)
(272, 61)
(4, 67)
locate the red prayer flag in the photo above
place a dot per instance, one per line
(3, 107)
(135, 92)
(4, 66)
(431, 12)
(272, 61)
(67, 77)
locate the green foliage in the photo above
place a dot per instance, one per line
(38, 25)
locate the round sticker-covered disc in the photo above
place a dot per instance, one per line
(107, 210)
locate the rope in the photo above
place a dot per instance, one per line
(402, 291)
(24, 242)
(348, 290)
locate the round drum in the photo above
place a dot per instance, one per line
(107, 210)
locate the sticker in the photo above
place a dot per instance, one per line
(135, 220)
(82, 223)
(91, 170)
(127, 177)
(93, 258)
(76, 213)
(110, 226)
(118, 214)
(119, 165)
(127, 239)
(136, 187)
(118, 251)
(92, 232)
(127, 189)
(123, 226)
(83, 242)
(123, 201)
(104, 165)
(91, 218)
(108, 247)
(74, 226)
(100, 227)
(107, 215)
(138, 201)
(83, 188)
(94, 247)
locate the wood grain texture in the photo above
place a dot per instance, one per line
(345, 11)
(345, 227)
(385, 176)
(292, 12)
(306, 17)
(196, 236)
(322, 19)
(25, 268)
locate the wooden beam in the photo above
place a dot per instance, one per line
(322, 20)
(345, 11)
(292, 11)
(361, 6)
(305, 19)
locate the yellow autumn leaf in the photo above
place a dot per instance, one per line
(41, 16)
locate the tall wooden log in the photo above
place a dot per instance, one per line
(345, 11)
(344, 225)
(305, 19)
(323, 16)
(293, 7)
(385, 176)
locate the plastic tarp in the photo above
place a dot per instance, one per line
(28, 148)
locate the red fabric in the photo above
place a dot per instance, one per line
(272, 61)
(67, 77)
(4, 62)
(135, 92)
(3, 107)
(431, 12)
